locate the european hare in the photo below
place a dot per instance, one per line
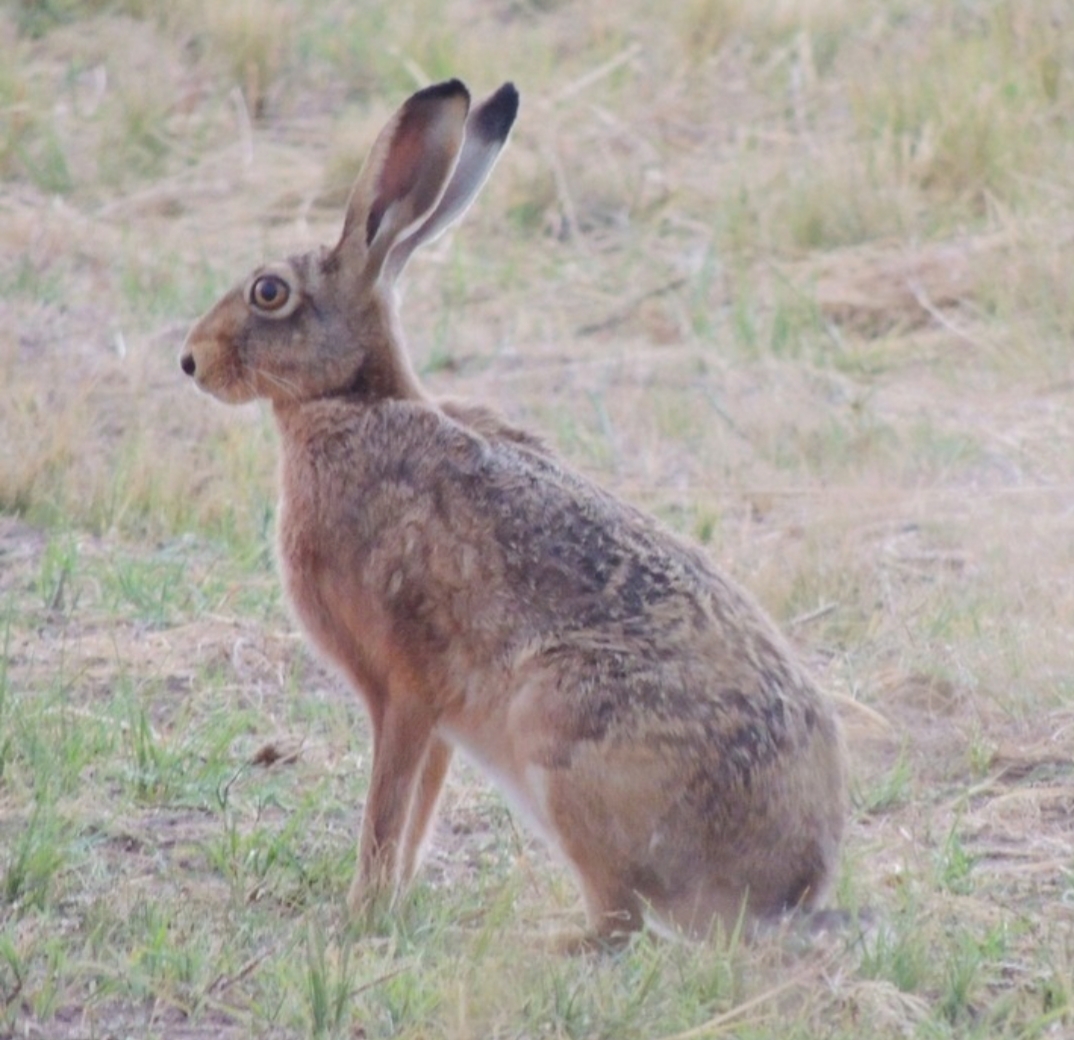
(635, 705)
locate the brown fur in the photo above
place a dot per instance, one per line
(636, 705)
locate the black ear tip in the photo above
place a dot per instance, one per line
(497, 114)
(508, 93)
(442, 91)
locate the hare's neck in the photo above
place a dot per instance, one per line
(392, 363)
(388, 376)
(385, 373)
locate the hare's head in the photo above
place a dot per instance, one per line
(323, 323)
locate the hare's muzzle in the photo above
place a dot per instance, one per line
(187, 363)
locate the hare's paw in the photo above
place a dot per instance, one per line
(586, 943)
(608, 931)
(370, 904)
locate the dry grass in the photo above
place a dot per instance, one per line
(794, 276)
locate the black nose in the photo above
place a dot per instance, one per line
(186, 362)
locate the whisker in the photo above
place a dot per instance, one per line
(282, 383)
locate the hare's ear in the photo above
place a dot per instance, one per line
(486, 133)
(405, 175)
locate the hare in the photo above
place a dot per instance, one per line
(635, 705)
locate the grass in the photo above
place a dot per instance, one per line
(793, 276)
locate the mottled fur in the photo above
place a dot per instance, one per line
(633, 703)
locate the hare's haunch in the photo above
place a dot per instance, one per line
(633, 703)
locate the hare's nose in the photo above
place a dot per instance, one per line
(186, 363)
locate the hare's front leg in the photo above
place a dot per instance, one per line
(433, 771)
(402, 734)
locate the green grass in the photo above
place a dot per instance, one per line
(193, 885)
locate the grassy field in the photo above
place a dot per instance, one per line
(794, 276)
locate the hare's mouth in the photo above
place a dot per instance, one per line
(216, 377)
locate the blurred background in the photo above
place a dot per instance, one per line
(805, 235)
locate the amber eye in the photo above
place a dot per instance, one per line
(269, 292)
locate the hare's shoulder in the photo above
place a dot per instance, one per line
(490, 424)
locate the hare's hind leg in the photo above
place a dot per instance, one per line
(613, 906)
(613, 911)
(613, 914)
(402, 735)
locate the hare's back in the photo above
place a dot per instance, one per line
(633, 618)
(487, 550)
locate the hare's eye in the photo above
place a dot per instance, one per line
(269, 292)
